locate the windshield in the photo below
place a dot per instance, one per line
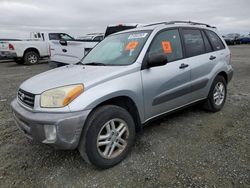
(119, 49)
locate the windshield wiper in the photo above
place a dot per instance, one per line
(95, 64)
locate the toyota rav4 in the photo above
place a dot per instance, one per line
(127, 80)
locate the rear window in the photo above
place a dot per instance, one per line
(215, 40)
(193, 41)
(98, 38)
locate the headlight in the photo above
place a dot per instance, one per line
(60, 97)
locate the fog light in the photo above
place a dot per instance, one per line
(50, 133)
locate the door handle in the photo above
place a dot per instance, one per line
(183, 66)
(64, 50)
(212, 57)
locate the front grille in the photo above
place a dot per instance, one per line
(26, 98)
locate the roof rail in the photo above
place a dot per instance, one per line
(179, 22)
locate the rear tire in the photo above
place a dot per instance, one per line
(217, 95)
(31, 57)
(108, 136)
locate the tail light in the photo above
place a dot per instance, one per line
(11, 47)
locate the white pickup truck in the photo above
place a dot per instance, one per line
(65, 52)
(71, 52)
(31, 50)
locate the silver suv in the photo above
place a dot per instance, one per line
(127, 80)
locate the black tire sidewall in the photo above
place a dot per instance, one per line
(27, 54)
(95, 123)
(211, 94)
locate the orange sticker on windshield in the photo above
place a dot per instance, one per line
(131, 45)
(166, 46)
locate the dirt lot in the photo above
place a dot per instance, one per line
(191, 148)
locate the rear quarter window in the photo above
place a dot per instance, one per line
(207, 43)
(215, 40)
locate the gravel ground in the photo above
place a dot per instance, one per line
(191, 148)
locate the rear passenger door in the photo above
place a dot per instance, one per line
(218, 47)
(201, 58)
(166, 87)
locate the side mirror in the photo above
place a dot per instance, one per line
(63, 42)
(156, 60)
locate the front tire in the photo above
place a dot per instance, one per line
(217, 95)
(108, 136)
(19, 61)
(31, 57)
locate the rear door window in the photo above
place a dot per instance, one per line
(193, 41)
(54, 36)
(215, 40)
(167, 43)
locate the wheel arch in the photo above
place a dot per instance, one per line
(31, 49)
(224, 75)
(126, 103)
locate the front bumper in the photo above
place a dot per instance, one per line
(8, 54)
(68, 125)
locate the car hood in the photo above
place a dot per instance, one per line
(73, 74)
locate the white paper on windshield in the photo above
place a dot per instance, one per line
(137, 35)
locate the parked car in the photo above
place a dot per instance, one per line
(232, 38)
(98, 37)
(126, 81)
(29, 51)
(72, 52)
(245, 39)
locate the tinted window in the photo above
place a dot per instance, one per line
(168, 43)
(215, 40)
(207, 43)
(193, 41)
(54, 36)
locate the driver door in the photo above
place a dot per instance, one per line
(166, 87)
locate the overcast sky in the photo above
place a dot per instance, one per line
(78, 17)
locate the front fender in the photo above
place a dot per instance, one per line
(128, 85)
